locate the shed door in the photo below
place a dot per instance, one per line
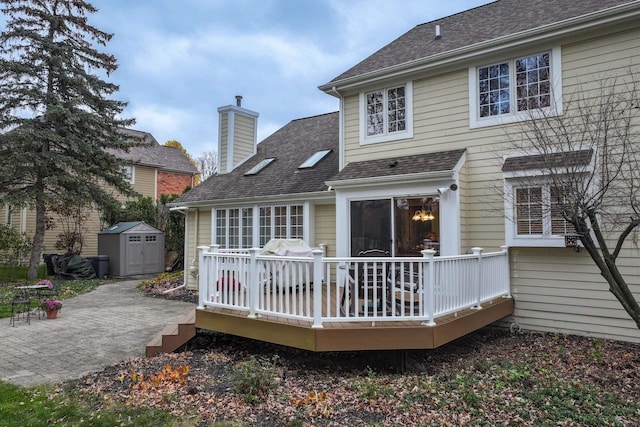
(152, 254)
(135, 255)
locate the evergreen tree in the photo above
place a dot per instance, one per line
(58, 123)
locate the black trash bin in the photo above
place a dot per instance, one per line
(100, 265)
(49, 259)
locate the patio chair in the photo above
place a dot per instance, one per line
(371, 281)
(20, 306)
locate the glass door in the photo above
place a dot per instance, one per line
(404, 229)
(370, 225)
(417, 225)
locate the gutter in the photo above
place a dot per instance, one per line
(543, 33)
(405, 178)
(301, 197)
(180, 209)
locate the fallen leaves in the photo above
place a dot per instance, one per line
(490, 377)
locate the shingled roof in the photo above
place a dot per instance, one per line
(290, 146)
(406, 165)
(151, 153)
(567, 159)
(492, 21)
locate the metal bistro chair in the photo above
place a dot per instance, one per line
(20, 306)
(371, 283)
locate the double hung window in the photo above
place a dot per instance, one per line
(281, 222)
(536, 215)
(386, 114)
(516, 89)
(129, 173)
(234, 227)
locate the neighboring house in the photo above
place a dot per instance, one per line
(152, 169)
(421, 133)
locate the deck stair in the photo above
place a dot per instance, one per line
(174, 335)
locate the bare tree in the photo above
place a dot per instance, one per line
(588, 160)
(207, 164)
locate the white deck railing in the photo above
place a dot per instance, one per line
(321, 289)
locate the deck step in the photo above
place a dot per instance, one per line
(174, 335)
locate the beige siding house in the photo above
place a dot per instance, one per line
(425, 125)
(145, 163)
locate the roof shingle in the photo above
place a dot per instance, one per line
(492, 21)
(151, 153)
(290, 146)
(544, 161)
(406, 165)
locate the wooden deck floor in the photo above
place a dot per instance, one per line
(353, 335)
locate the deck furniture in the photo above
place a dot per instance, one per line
(20, 305)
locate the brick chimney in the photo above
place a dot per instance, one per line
(238, 133)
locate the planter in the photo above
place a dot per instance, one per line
(52, 314)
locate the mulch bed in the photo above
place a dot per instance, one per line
(490, 377)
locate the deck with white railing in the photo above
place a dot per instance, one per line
(323, 303)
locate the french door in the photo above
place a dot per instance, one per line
(397, 225)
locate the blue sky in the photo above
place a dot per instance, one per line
(179, 60)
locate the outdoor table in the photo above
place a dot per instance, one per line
(35, 290)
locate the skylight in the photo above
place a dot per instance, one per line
(314, 159)
(257, 168)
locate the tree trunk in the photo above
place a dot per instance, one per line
(38, 238)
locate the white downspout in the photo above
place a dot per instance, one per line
(334, 91)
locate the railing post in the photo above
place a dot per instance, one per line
(478, 282)
(253, 286)
(203, 278)
(507, 276)
(323, 248)
(428, 279)
(317, 288)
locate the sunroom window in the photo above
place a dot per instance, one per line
(234, 227)
(386, 113)
(281, 222)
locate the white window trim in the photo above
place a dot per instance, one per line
(8, 214)
(512, 238)
(132, 180)
(255, 222)
(407, 133)
(475, 121)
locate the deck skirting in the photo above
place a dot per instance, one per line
(350, 336)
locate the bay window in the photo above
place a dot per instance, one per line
(535, 213)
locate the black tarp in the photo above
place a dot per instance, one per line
(73, 267)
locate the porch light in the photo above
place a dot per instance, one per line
(423, 215)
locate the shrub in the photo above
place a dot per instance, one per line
(254, 378)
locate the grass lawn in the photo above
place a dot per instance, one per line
(50, 405)
(68, 289)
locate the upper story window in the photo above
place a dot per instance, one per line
(386, 114)
(129, 174)
(517, 89)
(8, 214)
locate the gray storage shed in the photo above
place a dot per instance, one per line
(133, 248)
